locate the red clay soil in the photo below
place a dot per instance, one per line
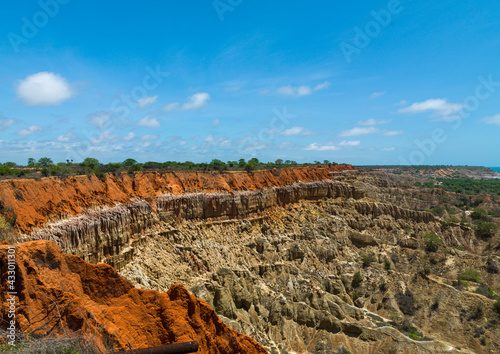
(36, 202)
(61, 294)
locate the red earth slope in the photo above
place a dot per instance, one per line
(36, 202)
(61, 294)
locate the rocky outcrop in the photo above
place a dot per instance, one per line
(35, 202)
(111, 235)
(62, 295)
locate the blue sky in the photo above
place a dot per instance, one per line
(377, 82)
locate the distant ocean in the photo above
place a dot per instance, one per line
(495, 169)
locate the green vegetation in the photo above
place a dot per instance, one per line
(367, 260)
(387, 264)
(355, 296)
(91, 166)
(439, 210)
(479, 214)
(496, 306)
(485, 291)
(432, 242)
(414, 335)
(357, 279)
(470, 275)
(485, 229)
(470, 186)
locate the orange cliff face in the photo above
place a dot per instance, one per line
(65, 295)
(37, 202)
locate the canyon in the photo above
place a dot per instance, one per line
(308, 260)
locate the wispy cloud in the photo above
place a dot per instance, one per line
(393, 132)
(31, 130)
(171, 107)
(350, 143)
(129, 136)
(440, 107)
(150, 137)
(495, 120)
(377, 94)
(359, 131)
(149, 122)
(291, 131)
(69, 136)
(322, 86)
(372, 121)
(294, 91)
(147, 101)
(105, 136)
(99, 118)
(196, 101)
(44, 89)
(321, 147)
(298, 91)
(5, 123)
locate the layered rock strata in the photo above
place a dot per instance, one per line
(36, 202)
(111, 235)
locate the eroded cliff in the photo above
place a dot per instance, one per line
(62, 295)
(50, 199)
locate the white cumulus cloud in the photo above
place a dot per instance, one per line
(30, 130)
(291, 131)
(359, 131)
(196, 101)
(149, 122)
(146, 101)
(321, 147)
(440, 106)
(44, 89)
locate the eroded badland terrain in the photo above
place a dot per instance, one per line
(303, 260)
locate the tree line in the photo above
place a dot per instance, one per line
(46, 166)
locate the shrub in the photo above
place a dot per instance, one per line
(496, 306)
(367, 260)
(432, 242)
(485, 291)
(387, 265)
(439, 210)
(357, 279)
(470, 275)
(479, 214)
(485, 229)
(414, 335)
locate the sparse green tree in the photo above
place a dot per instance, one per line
(45, 161)
(90, 162)
(129, 162)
